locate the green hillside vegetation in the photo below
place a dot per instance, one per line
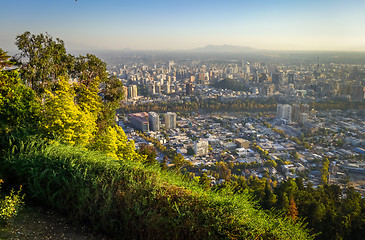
(59, 140)
(130, 200)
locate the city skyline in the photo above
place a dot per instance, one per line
(173, 25)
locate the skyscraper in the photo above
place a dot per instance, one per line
(132, 91)
(189, 89)
(154, 121)
(284, 111)
(170, 120)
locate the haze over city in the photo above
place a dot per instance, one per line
(181, 25)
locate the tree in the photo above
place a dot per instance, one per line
(204, 180)
(179, 161)
(43, 60)
(324, 171)
(19, 106)
(65, 119)
(293, 211)
(114, 143)
(223, 170)
(90, 69)
(112, 93)
(190, 151)
(4, 60)
(149, 151)
(269, 199)
(164, 162)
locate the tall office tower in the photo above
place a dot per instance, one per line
(168, 88)
(189, 89)
(201, 147)
(170, 120)
(171, 63)
(125, 91)
(151, 88)
(275, 78)
(154, 121)
(284, 111)
(132, 91)
(298, 110)
(158, 88)
(290, 78)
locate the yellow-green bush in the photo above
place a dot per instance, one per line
(10, 204)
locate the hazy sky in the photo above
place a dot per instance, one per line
(186, 24)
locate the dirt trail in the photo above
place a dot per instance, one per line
(36, 223)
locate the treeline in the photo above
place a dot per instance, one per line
(331, 212)
(337, 104)
(237, 105)
(230, 84)
(207, 105)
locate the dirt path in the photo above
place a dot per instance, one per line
(36, 223)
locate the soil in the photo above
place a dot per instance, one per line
(37, 223)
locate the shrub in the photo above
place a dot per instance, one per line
(10, 205)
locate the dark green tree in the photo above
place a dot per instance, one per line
(42, 60)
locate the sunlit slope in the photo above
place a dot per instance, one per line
(131, 201)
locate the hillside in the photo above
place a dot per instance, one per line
(138, 201)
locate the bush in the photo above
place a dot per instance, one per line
(10, 205)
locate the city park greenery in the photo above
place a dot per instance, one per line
(194, 104)
(60, 142)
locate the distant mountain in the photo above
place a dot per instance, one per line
(223, 49)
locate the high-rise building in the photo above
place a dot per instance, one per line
(201, 147)
(132, 91)
(189, 89)
(290, 78)
(125, 92)
(151, 88)
(171, 64)
(297, 110)
(170, 120)
(158, 88)
(275, 78)
(284, 111)
(154, 121)
(168, 88)
(140, 121)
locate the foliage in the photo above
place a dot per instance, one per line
(65, 119)
(10, 205)
(230, 84)
(19, 107)
(131, 201)
(115, 144)
(112, 93)
(149, 151)
(4, 59)
(331, 212)
(208, 105)
(43, 60)
(324, 171)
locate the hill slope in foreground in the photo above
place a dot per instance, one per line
(128, 200)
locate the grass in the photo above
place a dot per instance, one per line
(128, 200)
